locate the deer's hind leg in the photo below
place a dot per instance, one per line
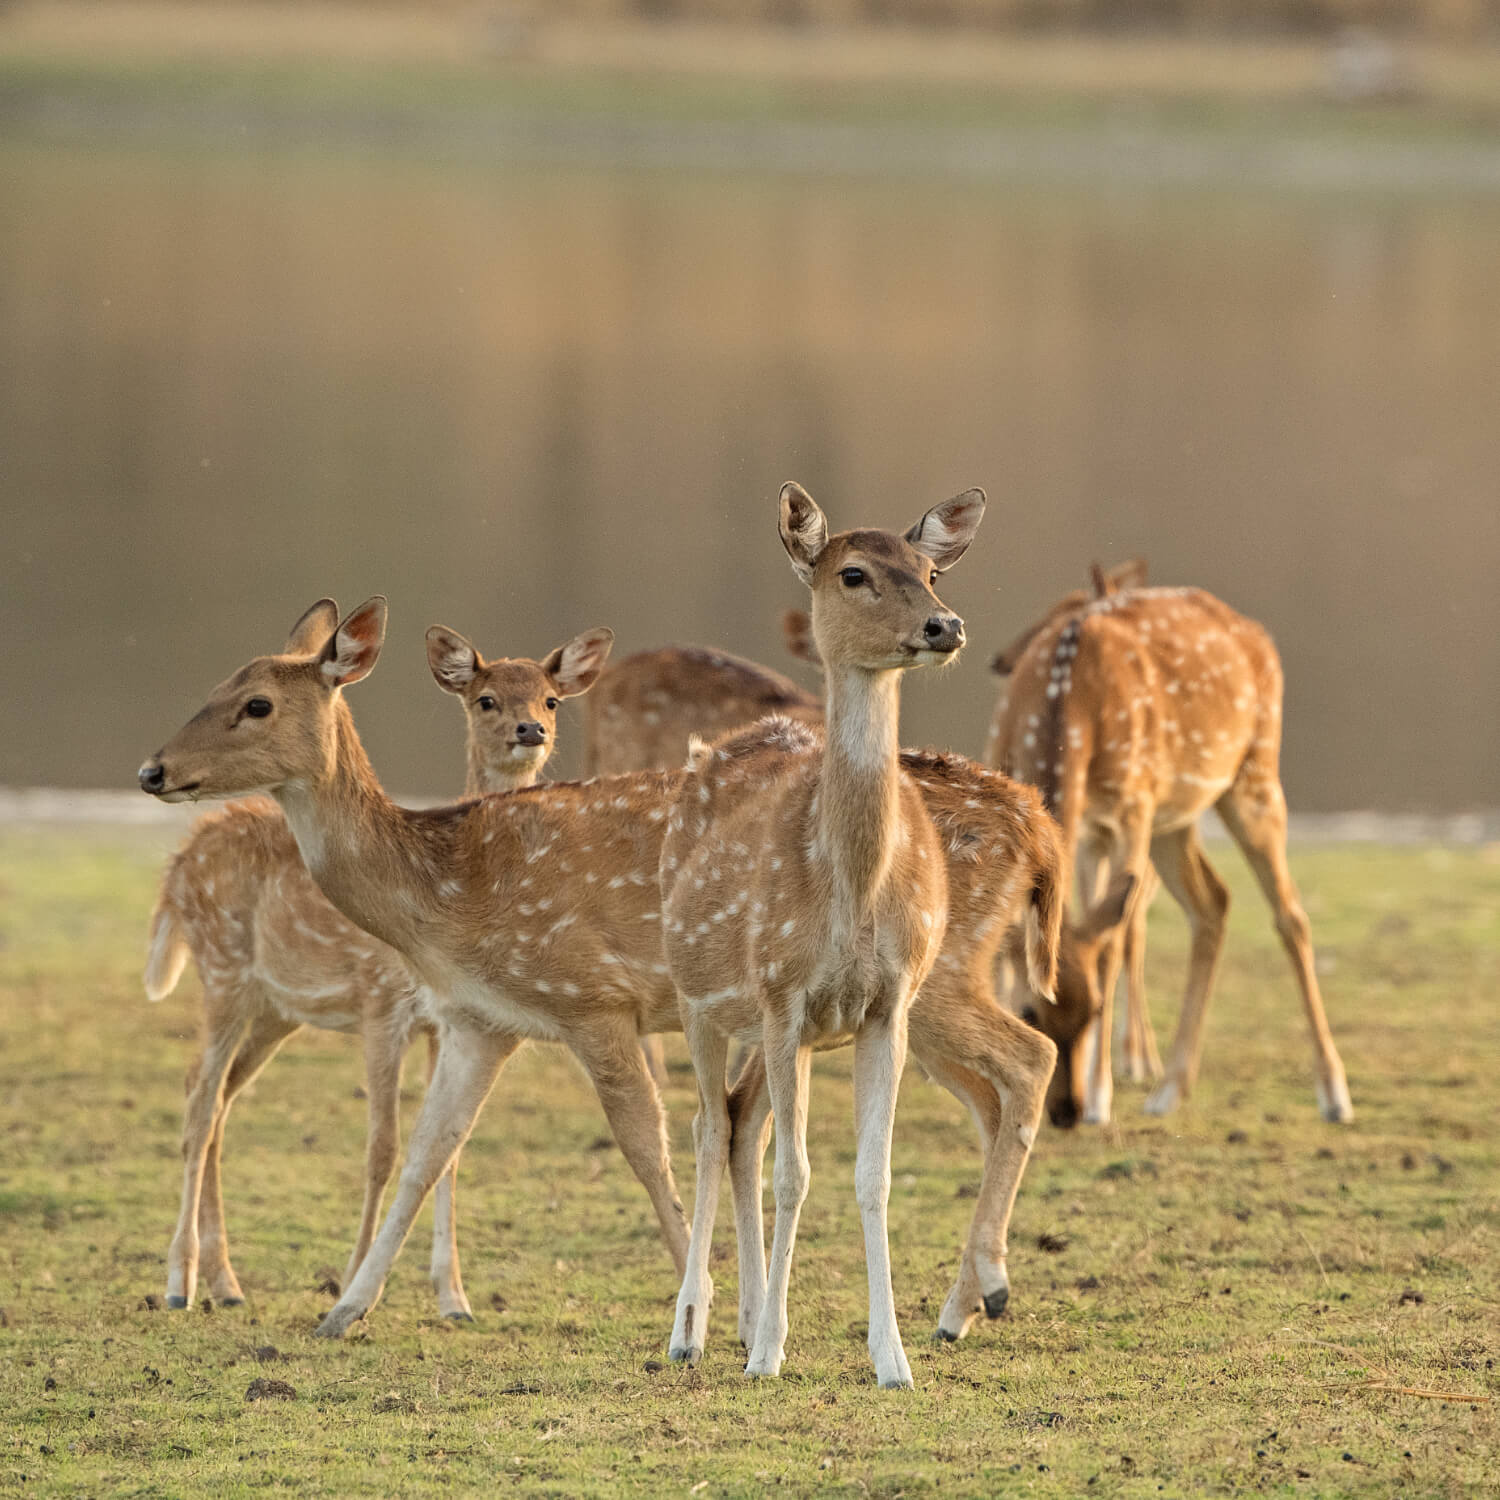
(1254, 811)
(1204, 898)
(1142, 1062)
(267, 1032)
(384, 1051)
(225, 1028)
(999, 1068)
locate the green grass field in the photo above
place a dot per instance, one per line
(1239, 1298)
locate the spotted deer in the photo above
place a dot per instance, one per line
(1134, 715)
(563, 929)
(274, 956)
(533, 913)
(805, 897)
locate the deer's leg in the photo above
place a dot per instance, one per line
(750, 1126)
(1000, 1068)
(1255, 814)
(788, 1069)
(1204, 898)
(266, 1035)
(879, 1059)
(200, 1118)
(710, 1051)
(612, 1057)
(453, 1301)
(656, 1059)
(1141, 1059)
(1132, 853)
(467, 1067)
(382, 1131)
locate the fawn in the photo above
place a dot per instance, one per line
(274, 956)
(1134, 716)
(804, 898)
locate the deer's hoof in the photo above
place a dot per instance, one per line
(177, 1303)
(459, 1317)
(995, 1302)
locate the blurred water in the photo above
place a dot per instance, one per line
(523, 402)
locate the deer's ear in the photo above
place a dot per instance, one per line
(576, 666)
(804, 530)
(354, 648)
(454, 662)
(945, 532)
(312, 629)
(1130, 574)
(796, 630)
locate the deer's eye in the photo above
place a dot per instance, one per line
(486, 702)
(933, 578)
(852, 577)
(258, 708)
(552, 703)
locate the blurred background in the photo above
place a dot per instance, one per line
(522, 313)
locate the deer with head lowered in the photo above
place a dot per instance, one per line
(274, 956)
(805, 898)
(529, 914)
(1134, 716)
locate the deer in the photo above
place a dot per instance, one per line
(561, 848)
(1000, 850)
(805, 900)
(529, 914)
(1134, 715)
(274, 956)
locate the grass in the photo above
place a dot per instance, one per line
(378, 76)
(1223, 1286)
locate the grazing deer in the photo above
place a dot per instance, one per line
(1135, 715)
(804, 898)
(274, 956)
(529, 914)
(1138, 1041)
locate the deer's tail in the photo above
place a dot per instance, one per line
(166, 953)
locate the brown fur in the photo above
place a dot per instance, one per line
(274, 955)
(1137, 715)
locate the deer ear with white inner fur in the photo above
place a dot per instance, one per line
(354, 648)
(454, 662)
(945, 532)
(575, 667)
(804, 530)
(314, 627)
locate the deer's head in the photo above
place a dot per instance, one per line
(1079, 1000)
(873, 605)
(275, 721)
(511, 704)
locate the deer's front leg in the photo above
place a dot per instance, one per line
(467, 1066)
(879, 1057)
(710, 1050)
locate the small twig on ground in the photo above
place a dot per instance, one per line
(1314, 1250)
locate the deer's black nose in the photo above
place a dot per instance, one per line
(530, 734)
(151, 776)
(944, 633)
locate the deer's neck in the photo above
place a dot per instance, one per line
(358, 846)
(483, 777)
(859, 806)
